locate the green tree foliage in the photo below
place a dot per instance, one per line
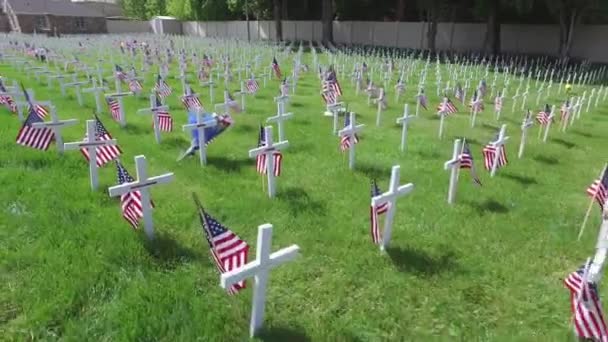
(135, 8)
(155, 7)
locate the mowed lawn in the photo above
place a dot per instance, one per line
(489, 267)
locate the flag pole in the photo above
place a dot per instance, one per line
(580, 233)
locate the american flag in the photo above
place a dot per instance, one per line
(476, 102)
(345, 139)
(498, 103)
(105, 153)
(598, 190)
(329, 97)
(544, 116)
(38, 138)
(207, 61)
(114, 106)
(382, 99)
(130, 203)
(228, 251)
(489, 152)
(586, 307)
(276, 68)
(400, 86)
(467, 162)
(252, 86)
(446, 107)
(422, 100)
(162, 88)
(190, 100)
(284, 88)
(135, 86)
(203, 75)
(375, 211)
(483, 87)
(332, 82)
(7, 99)
(119, 73)
(231, 102)
(458, 93)
(261, 159)
(38, 109)
(165, 121)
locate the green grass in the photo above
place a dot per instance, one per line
(487, 268)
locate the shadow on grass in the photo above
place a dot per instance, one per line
(282, 334)
(300, 202)
(565, 143)
(244, 128)
(583, 134)
(168, 251)
(134, 129)
(170, 143)
(491, 206)
(296, 104)
(34, 164)
(523, 180)
(372, 171)
(227, 164)
(420, 262)
(490, 127)
(546, 160)
(304, 122)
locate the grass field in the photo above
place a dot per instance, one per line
(488, 268)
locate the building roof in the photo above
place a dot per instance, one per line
(53, 7)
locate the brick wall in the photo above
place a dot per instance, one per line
(64, 25)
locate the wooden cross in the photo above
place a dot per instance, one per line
(551, 116)
(390, 196)
(259, 269)
(268, 149)
(76, 85)
(56, 126)
(527, 123)
(90, 143)
(209, 84)
(97, 91)
(498, 145)
(22, 104)
(200, 126)
(454, 165)
(154, 109)
(403, 121)
(279, 118)
(119, 96)
(442, 116)
(333, 110)
(142, 184)
(351, 130)
(280, 100)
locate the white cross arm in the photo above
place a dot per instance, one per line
(152, 109)
(278, 118)
(75, 83)
(386, 197)
(349, 130)
(124, 188)
(267, 149)
(500, 141)
(84, 144)
(128, 93)
(451, 163)
(251, 269)
(69, 122)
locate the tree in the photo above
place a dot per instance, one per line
(135, 8)
(155, 7)
(276, 10)
(400, 10)
(327, 18)
(432, 10)
(490, 9)
(569, 14)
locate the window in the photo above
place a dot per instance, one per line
(41, 22)
(80, 24)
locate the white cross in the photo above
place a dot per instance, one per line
(442, 115)
(90, 143)
(200, 126)
(475, 109)
(268, 149)
(209, 84)
(527, 123)
(454, 165)
(498, 145)
(77, 84)
(119, 96)
(390, 196)
(551, 115)
(259, 269)
(56, 126)
(334, 109)
(97, 91)
(154, 109)
(350, 131)
(280, 100)
(403, 121)
(279, 118)
(22, 104)
(142, 184)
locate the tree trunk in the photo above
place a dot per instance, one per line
(400, 10)
(327, 15)
(433, 21)
(574, 19)
(284, 14)
(277, 19)
(492, 42)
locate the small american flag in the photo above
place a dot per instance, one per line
(276, 68)
(284, 88)
(598, 190)
(119, 73)
(190, 100)
(489, 152)
(135, 86)
(345, 139)
(375, 211)
(498, 103)
(446, 107)
(162, 88)
(586, 307)
(114, 106)
(422, 100)
(400, 86)
(467, 162)
(483, 87)
(130, 203)
(476, 102)
(227, 249)
(38, 109)
(165, 121)
(332, 82)
(252, 86)
(329, 97)
(207, 61)
(261, 159)
(104, 153)
(544, 116)
(38, 138)
(7, 99)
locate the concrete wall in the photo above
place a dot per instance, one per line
(63, 25)
(128, 26)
